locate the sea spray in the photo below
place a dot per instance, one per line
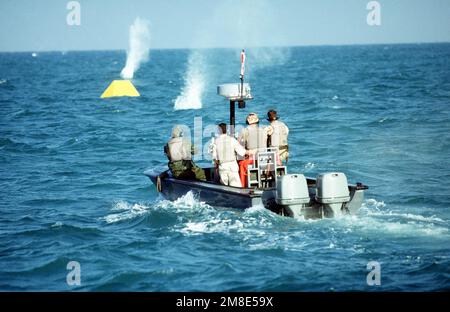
(139, 47)
(194, 83)
(237, 29)
(268, 57)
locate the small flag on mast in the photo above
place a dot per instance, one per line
(242, 64)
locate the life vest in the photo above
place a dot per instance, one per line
(254, 137)
(179, 149)
(226, 149)
(280, 133)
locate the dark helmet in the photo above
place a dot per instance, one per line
(272, 115)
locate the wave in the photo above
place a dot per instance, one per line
(372, 207)
(44, 267)
(408, 216)
(22, 147)
(373, 204)
(309, 166)
(253, 223)
(52, 229)
(375, 217)
(257, 228)
(393, 228)
(188, 203)
(127, 212)
(212, 226)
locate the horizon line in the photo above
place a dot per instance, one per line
(230, 47)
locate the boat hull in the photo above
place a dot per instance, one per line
(217, 195)
(214, 195)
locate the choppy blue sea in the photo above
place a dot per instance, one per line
(72, 188)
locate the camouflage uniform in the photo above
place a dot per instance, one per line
(186, 170)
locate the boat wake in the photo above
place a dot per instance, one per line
(122, 211)
(376, 216)
(259, 228)
(187, 204)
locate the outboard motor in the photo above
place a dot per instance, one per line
(292, 194)
(332, 191)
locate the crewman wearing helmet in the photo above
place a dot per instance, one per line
(252, 138)
(179, 151)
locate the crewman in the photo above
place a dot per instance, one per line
(226, 150)
(179, 151)
(252, 138)
(278, 135)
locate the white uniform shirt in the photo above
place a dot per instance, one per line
(280, 133)
(226, 149)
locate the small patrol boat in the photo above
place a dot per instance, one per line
(269, 184)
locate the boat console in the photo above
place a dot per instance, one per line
(265, 171)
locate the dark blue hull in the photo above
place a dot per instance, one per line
(213, 194)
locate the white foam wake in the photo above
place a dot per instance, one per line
(309, 166)
(376, 218)
(126, 211)
(186, 203)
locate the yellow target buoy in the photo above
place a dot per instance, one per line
(120, 88)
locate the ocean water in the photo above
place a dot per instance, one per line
(72, 187)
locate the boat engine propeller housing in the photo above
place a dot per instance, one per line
(292, 194)
(332, 192)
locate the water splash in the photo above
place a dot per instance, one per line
(57, 224)
(184, 206)
(125, 211)
(372, 203)
(237, 29)
(139, 47)
(309, 166)
(194, 84)
(261, 58)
